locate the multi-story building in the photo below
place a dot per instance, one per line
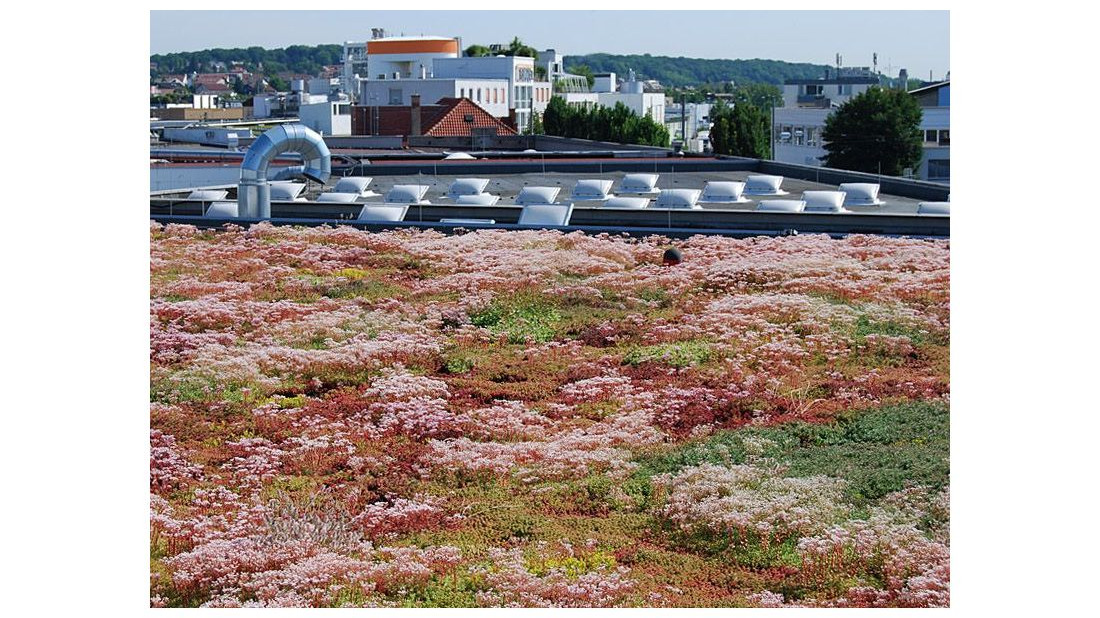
(935, 102)
(694, 119)
(631, 93)
(355, 66)
(490, 94)
(405, 57)
(526, 95)
(330, 117)
(806, 105)
(553, 63)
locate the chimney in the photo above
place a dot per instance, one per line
(415, 129)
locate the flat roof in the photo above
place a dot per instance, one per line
(509, 185)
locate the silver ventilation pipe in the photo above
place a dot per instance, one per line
(253, 193)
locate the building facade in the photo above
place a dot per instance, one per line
(526, 95)
(490, 94)
(327, 117)
(806, 105)
(607, 92)
(935, 102)
(407, 57)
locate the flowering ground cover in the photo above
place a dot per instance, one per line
(343, 418)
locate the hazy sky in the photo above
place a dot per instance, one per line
(916, 40)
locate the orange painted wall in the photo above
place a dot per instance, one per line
(449, 46)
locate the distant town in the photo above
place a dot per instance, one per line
(409, 87)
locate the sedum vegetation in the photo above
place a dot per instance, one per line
(538, 419)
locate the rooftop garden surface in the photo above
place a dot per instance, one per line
(533, 418)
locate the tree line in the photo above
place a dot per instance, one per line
(305, 59)
(606, 124)
(680, 71)
(674, 72)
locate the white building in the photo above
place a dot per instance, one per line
(525, 95)
(554, 64)
(327, 117)
(694, 119)
(490, 94)
(935, 102)
(631, 94)
(405, 57)
(806, 105)
(355, 65)
(324, 86)
(283, 104)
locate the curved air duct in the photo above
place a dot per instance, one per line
(253, 194)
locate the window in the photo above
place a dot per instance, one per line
(939, 169)
(462, 93)
(479, 95)
(945, 137)
(395, 96)
(930, 136)
(811, 136)
(815, 89)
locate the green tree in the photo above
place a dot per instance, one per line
(876, 131)
(741, 130)
(475, 51)
(278, 83)
(763, 96)
(615, 124)
(751, 133)
(583, 70)
(517, 48)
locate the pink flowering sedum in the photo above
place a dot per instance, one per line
(539, 419)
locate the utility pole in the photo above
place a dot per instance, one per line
(771, 128)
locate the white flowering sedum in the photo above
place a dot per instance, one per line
(750, 500)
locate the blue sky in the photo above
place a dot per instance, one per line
(916, 40)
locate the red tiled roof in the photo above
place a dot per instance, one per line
(453, 123)
(445, 119)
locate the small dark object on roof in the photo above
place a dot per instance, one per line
(672, 257)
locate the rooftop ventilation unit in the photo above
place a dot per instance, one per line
(592, 189)
(764, 185)
(222, 210)
(678, 198)
(640, 184)
(387, 213)
(337, 198)
(824, 201)
(207, 195)
(354, 184)
(285, 190)
(781, 206)
(481, 199)
(934, 208)
(723, 192)
(467, 186)
(627, 202)
(407, 194)
(537, 195)
(861, 194)
(460, 156)
(546, 214)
